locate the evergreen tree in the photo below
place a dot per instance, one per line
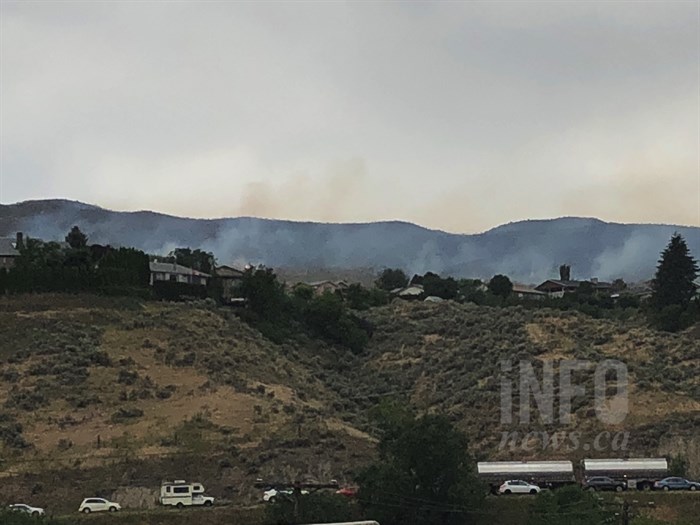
(76, 239)
(673, 283)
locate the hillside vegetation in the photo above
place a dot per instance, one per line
(108, 396)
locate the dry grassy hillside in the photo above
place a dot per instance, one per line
(447, 357)
(113, 393)
(105, 395)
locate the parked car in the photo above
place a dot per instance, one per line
(272, 495)
(604, 483)
(32, 511)
(518, 486)
(349, 492)
(675, 483)
(98, 505)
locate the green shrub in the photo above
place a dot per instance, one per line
(126, 414)
(317, 507)
(165, 392)
(127, 377)
(26, 399)
(8, 517)
(11, 433)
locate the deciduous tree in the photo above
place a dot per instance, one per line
(500, 286)
(392, 278)
(425, 474)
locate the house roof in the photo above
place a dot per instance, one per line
(521, 288)
(7, 247)
(163, 267)
(339, 284)
(228, 271)
(575, 284)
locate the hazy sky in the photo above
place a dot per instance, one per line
(457, 116)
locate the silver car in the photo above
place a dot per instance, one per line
(32, 511)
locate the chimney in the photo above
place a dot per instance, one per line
(20, 240)
(594, 280)
(565, 272)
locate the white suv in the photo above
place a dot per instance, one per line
(98, 505)
(518, 486)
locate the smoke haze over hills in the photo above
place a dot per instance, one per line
(527, 251)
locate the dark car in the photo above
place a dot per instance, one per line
(604, 483)
(676, 484)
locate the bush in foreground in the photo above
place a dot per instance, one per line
(320, 507)
(8, 517)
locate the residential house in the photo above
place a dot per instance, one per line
(9, 250)
(559, 287)
(641, 290)
(229, 277)
(321, 287)
(526, 292)
(173, 272)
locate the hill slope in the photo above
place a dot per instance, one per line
(114, 395)
(527, 251)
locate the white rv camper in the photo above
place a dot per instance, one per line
(180, 494)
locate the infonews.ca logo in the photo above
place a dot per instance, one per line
(554, 395)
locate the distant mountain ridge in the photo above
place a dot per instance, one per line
(528, 251)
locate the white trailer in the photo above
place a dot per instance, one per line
(180, 494)
(639, 473)
(545, 474)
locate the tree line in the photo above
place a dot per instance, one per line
(672, 306)
(77, 266)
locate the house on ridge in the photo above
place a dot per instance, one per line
(9, 250)
(229, 277)
(176, 273)
(559, 287)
